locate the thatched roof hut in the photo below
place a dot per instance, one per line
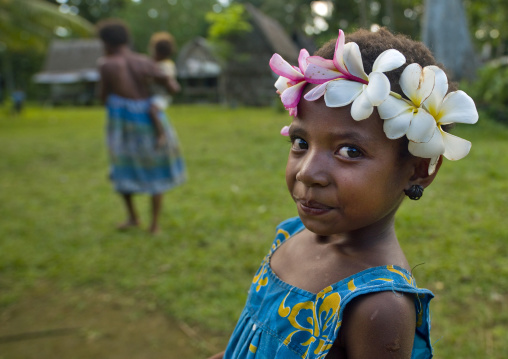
(248, 77)
(70, 69)
(199, 72)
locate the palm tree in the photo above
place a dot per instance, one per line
(32, 23)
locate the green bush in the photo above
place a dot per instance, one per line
(490, 90)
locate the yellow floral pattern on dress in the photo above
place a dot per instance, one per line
(261, 276)
(282, 321)
(314, 322)
(409, 280)
(351, 285)
(317, 322)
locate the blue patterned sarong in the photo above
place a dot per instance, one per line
(137, 166)
(286, 322)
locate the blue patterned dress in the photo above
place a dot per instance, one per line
(137, 166)
(283, 321)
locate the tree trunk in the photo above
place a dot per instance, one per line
(362, 10)
(445, 31)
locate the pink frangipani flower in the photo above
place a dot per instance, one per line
(321, 71)
(343, 80)
(291, 82)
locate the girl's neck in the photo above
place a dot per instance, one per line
(367, 249)
(376, 234)
(159, 58)
(374, 241)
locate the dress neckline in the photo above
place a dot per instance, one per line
(335, 285)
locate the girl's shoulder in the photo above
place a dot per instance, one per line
(285, 230)
(289, 226)
(168, 67)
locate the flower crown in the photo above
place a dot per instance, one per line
(343, 81)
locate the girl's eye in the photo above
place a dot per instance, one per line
(349, 152)
(299, 144)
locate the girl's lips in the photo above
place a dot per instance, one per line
(312, 207)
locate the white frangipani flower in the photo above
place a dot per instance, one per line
(343, 80)
(403, 117)
(363, 91)
(455, 107)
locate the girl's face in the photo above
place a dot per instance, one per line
(345, 176)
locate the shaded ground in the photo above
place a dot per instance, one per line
(88, 324)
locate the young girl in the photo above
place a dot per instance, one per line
(367, 131)
(162, 46)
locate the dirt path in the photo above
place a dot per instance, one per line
(86, 324)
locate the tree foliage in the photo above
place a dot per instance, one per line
(30, 24)
(184, 19)
(26, 27)
(490, 89)
(226, 25)
(487, 20)
(231, 21)
(92, 10)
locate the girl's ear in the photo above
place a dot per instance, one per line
(421, 172)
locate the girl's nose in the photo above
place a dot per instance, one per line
(313, 169)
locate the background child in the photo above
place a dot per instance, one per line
(18, 99)
(336, 282)
(162, 47)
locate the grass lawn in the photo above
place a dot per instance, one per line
(58, 213)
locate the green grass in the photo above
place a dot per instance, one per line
(58, 212)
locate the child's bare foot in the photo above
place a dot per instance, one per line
(127, 225)
(153, 230)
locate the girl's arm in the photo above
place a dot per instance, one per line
(217, 356)
(165, 78)
(169, 68)
(380, 325)
(172, 85)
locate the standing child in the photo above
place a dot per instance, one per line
(162, 47)
(18, 98)
(367, 131)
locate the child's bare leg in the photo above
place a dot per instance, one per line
(156, 121)
(132, 217)
(154, 114)
(156, 209)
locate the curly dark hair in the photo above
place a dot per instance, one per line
(163, 45)
(113, 32)
(372, 44)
